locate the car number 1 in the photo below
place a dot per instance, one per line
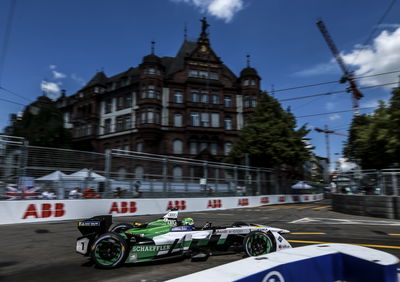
(82, 245)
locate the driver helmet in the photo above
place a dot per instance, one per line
(188, 221)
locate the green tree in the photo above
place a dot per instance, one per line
(270, 137)
(374, 139)
(42, 124)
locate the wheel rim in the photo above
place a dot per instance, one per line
(259, 244)
(108, 251)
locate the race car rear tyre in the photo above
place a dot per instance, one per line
(258, 243)
(121, 227)
(109, 250)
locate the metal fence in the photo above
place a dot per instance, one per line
(372, 182)
(118, 173)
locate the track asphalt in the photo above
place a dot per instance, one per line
(45, 252)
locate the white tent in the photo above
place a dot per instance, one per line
(85, 174)
(55, 175)
(301, 185)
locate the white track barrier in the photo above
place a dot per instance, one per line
(315, 263)
(57, 210)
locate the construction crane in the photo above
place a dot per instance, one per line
(327, 132)
(348, 76)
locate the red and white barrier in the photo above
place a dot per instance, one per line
(56, 210)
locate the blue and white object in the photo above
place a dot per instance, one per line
(324, 262)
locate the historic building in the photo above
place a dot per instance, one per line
(190, 105)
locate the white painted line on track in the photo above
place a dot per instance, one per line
(345, 221)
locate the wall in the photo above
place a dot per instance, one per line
(58, 210)
(379, 206)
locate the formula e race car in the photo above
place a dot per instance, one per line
(168, 237)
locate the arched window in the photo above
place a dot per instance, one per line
(177, 146)
(121, 173)
(139, 172)
(139, 146)
(227, 148)
(177, 172)
(178, 120)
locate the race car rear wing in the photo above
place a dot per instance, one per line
(97, 224)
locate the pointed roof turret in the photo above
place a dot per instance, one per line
(98, 79)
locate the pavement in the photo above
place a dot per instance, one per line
(46, 251)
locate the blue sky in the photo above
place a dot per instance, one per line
(61, 44)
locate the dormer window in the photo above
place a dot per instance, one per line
(152, 70)
(249, 82)
(203, 74)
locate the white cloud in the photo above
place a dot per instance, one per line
(78, 79)
(323, 68)
(52, 67)
(344, 165)
(58, 75)
(221, 9)
(51, 89)
(335, 117)
(380, 57)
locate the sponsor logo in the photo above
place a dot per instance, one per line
(180, 205)
(282, 199)
(280, 239)
(89, 223)
(214, 204)
(273, 276)
(264, 200)
(305, 198)
(296, 198)
(243, 202)
(44, 210)
(123, 207)
(181, 228)
(152, 248)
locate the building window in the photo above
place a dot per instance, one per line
(139, 147)
(177, 146)
(107, 148)
(214, 148)
(178, 120)
(214, 119)
(203, 146)
(228, 123)
(150, 92)
(152, 70)
(204, 98)
(195, 119)
(150, 116)
(108, 106)
(107, 126)
(177, 172)
(193, 148)
(205, 119)
(214, 99)
(227, 101)
(139, 172)
(178, 97)
(123, 122)
(195, 96)
(203, 74)
(227, 148)
(121, 173)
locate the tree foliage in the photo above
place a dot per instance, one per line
(42, 124)
(270, 138)
(374, 140)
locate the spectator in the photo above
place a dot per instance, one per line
(118, 192)
(48, 195)
(137, 193)
(75, 193)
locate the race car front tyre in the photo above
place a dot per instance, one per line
(121, 227)
(109, 250)
(258, 243)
